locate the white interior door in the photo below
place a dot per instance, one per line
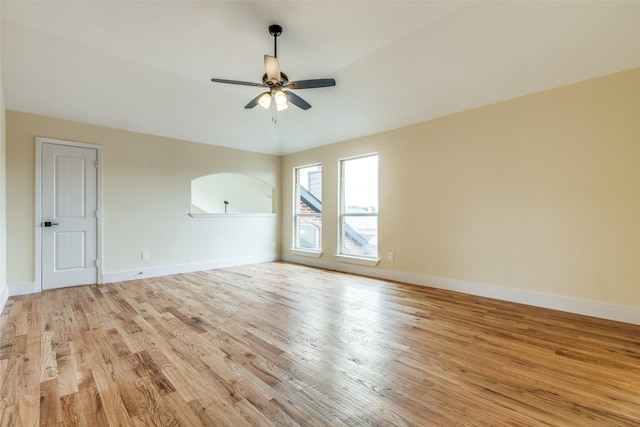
(69, 215)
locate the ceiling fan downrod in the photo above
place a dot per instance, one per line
(275, 30)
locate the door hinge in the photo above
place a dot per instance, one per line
(97, 263)
(96, 163)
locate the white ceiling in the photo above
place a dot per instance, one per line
(146, 66)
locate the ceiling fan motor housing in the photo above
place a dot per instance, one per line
(283, 82)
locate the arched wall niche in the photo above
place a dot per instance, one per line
(231, 193)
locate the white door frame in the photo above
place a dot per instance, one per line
(38, 212)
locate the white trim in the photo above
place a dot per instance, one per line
(359, 156)
(310, 254)
(361, 214)
(231, 215)
(306, 166)
(121, 276)
(23, 289)
(368, 262)
(38, 205)
(4, 297)
(38, 214)
(598, 309)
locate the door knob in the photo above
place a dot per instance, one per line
(49, 224)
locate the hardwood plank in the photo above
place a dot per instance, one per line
(143, 402)
(67, 373)
(287, 345)
(252, 414)
(91, 409)
(15, 378)
(220, 415)
(50, 407)
(115, 411)
(8, 416)
(71, 413)
(181, 411)
(144, 366)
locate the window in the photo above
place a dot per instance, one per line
(308, 208)
(359, 207)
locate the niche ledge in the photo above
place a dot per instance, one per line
(231, 215)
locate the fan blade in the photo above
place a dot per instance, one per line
(310, 84)
(237, 82)
(255, 101)
(297, 101)
(273, 69)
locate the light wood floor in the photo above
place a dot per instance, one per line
(281, 344)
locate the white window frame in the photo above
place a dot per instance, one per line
(297, 215)
(374, 258)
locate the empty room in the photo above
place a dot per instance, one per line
(319, 213)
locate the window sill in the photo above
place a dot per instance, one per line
(231, 215)
(310, 254)
(369, 262)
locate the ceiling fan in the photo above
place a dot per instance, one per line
(276, 82)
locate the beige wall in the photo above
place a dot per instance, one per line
(3, 190)
(146, 194)
(539, 193)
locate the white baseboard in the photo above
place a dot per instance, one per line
(121, 276)
(30, 288)
(602, 310)
(22, 289)
(4, 297)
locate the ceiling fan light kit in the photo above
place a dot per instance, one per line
(265, 100)
(282, 107)
(280, 97)
(276, 81)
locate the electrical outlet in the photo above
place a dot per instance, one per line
(390, 256)
(145, 255)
